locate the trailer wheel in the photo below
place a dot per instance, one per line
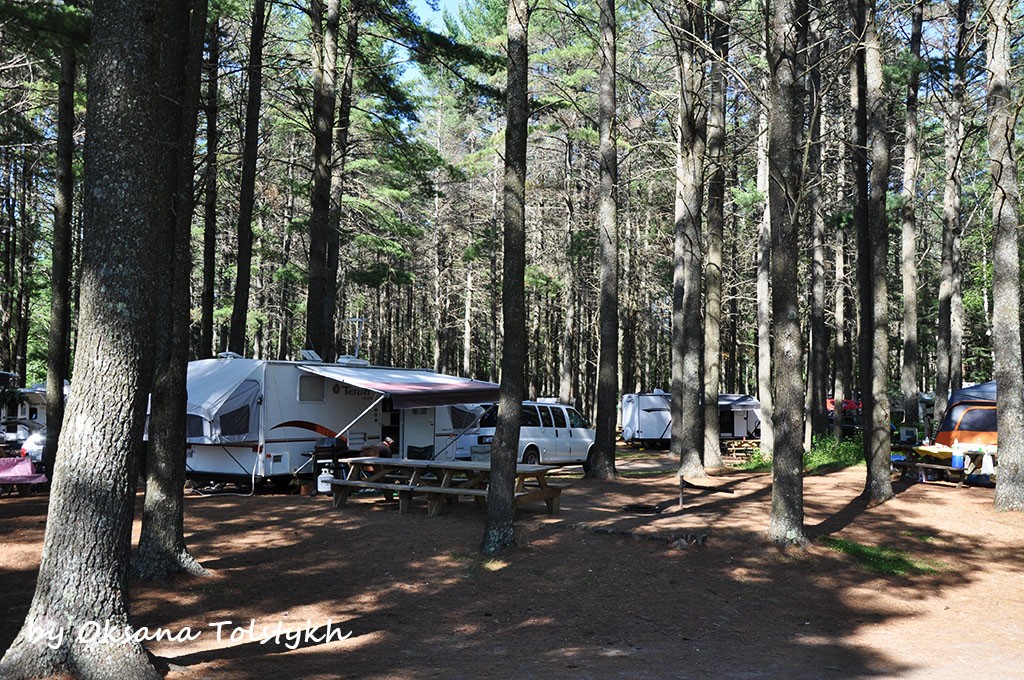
(531, 457)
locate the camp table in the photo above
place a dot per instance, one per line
(972, 461)
(440, 481)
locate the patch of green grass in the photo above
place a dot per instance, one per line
(881, 559)
(826, 455)
(757, 461)
(919, 535)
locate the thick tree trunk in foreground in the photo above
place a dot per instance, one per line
(60, 275)
(602, 463)
(247, 182)
(83, 573)
(785, 140)
(162, 550)
(1006, 286)
(687, 330)
(498, 531)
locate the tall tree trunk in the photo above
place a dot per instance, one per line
(567, 371)
(687, 330)
(83, 571)
(716, 230)
(60, 273)
(947, 368)
(210, 199)
(247, 182)
(911, 165)
(162, 550)
(342, 134)
(876, 364)
(786, 37)
(1006, 285)
(602, 463)
(817, 369)
(324, 53)
(764, 314)
(498, 531)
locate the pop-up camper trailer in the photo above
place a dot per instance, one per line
(252, 419)
(739, 416)
(970, 418)
(647, 418)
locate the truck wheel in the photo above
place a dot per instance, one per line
(531, 457)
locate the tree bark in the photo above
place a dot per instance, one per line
(817, 369)
(764, 314)
(162, 550)
(60, 273)
(786, 37)
(716, 230)
(83, 572)
(601, 465)
(911, 165)
(876, 364)
(687, 329)
(1006, 285)
(247, 182)
(498, 531)
(205, 350)
(324, 52)
(947, 368)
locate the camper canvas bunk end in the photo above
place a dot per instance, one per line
(647, 418)
(250, 420)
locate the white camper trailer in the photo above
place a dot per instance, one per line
(250, 420)
(647, 418)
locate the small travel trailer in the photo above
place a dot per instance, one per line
(253, 420)
(647, 418)
(970, 417)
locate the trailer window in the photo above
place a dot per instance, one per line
(311, 388)
(235, 422)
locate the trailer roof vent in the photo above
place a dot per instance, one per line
(347, 360)
(310, 355)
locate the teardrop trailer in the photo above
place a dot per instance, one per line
(255, 420)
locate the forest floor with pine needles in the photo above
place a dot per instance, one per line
(622, 583)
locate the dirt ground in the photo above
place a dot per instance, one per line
(595, 591)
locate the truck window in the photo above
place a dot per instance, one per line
(545, 416)
(559, 415)
(530, 417)
(575, 419)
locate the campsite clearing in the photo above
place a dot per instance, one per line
(924, 586)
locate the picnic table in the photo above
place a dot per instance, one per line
(923, 458)
(441, 481)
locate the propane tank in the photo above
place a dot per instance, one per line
(323, 482)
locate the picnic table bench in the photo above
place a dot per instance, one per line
(441, 482)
